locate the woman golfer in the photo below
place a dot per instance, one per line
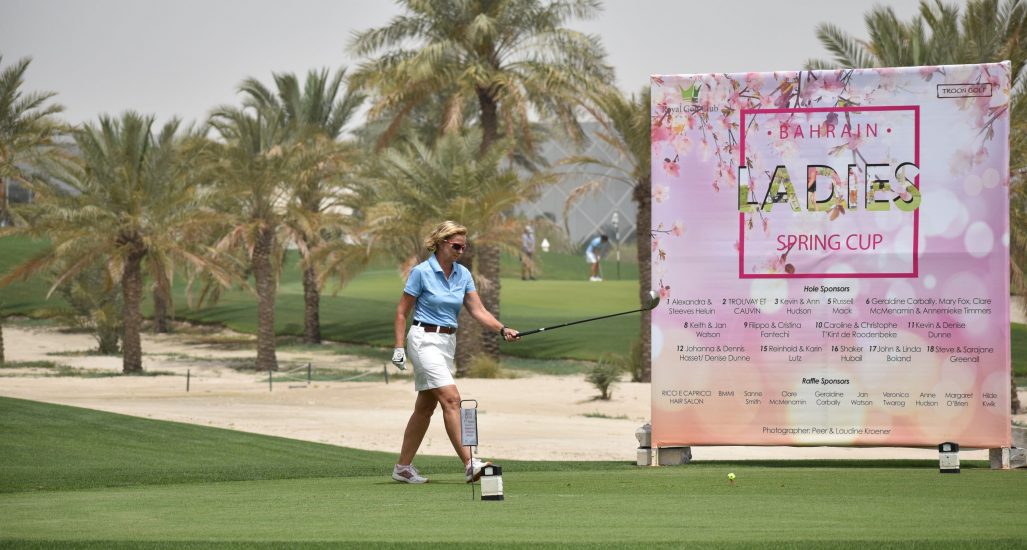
(435, 290)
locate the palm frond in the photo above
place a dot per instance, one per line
(848, 52)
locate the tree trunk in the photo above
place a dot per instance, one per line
(1014, 400)
(264, 277)
(2, 348)
(468, 340)
(160, 312)
(311, 307)
(488, 269)
(479, 339)
(3, 203)
(132, 292)
(643, 232)
(489, 119)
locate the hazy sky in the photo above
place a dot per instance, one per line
(183, 57)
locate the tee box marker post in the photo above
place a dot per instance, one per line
(491, 475)
(469, 429)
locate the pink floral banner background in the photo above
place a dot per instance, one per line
(831, 250)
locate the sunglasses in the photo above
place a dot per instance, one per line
(457, 246)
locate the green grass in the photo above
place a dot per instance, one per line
(31, 365)
(75, 478)
(51, 369)
(26, 298)
(363, 312)
(572, 267)
(1018, 352)
(56, 448)
(546, 366)
(82, 353)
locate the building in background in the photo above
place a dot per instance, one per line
(610, 210)
(11, 193)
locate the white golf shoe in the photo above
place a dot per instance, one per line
(473, 469)
(407, 474)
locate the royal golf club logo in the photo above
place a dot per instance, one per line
(691, 94)
(691, 101)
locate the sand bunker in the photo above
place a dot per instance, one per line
(533, 417)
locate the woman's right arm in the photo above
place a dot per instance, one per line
(406, 305)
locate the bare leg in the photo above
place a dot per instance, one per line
(449, 398)
(424, 407)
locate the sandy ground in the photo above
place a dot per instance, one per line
(535, 417)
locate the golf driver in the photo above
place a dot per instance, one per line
(651, 301)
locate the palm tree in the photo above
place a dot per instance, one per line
(132, 209)
(624, 123)
(986, 31)
(248, 167)
(415, 186)
(513, 57)
(315, 117)
(28, 129)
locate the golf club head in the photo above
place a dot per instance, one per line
(653, 301)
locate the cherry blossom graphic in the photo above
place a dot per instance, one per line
(660, 193)
(664, 290)
(672, 167)
(677, 229)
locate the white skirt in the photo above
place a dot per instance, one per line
(432, 355)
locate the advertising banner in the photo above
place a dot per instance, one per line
(831, 250)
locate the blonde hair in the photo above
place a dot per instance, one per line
(443, 231)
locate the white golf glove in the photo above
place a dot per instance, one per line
(399, 358)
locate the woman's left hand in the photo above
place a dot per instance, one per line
(510, 334)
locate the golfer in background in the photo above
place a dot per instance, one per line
(435, 290)
(528, 254)
(597, 248)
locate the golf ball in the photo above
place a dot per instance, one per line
(731, 476)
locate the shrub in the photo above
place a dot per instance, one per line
(483, 366)
(633, 363)
(97, 306)
(605, 374)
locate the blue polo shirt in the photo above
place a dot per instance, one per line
(438, 299)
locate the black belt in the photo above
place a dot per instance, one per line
(434, 328)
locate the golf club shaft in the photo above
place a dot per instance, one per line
(529, 332)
